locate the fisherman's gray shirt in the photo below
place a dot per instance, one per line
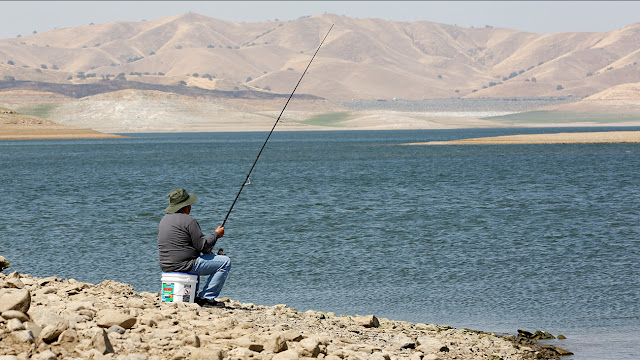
(181, 241)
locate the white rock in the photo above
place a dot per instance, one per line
(404, 342)
(45, 355)
(108, 318)
(275, 343)
(368, 321)
(15, 299)
(429, 345)
(309, 347)
(15, 325)
(24, 336)
(51, 332)
(286, 355)
(15, 314)
(101, 343)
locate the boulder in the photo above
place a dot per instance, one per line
(429, 345)
(15, 299)
(206, 354)
(404, 342)
(15, 325)
(15, 314)
(68, 336)
(45, 355)
(309, 347)
(369, 321)
(275, 343)
(108, 318)
(4, 263)
(245, 342)
(286, 355)
(24, 336)
(51, 332)
(100, 342)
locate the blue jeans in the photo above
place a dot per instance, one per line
(217, 267)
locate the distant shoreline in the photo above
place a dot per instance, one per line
(603, 137)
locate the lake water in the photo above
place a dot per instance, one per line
(493, 238)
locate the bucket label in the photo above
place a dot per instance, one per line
(187, 293)
(167, 291)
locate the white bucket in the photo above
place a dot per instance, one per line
(178, 287)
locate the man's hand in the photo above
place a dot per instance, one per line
(220, 231)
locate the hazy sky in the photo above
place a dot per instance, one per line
(24, 17)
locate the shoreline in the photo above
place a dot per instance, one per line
(56, 318)
(602, 137)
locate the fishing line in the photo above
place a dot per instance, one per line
(274, 126)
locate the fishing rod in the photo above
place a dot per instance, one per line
(274, 126)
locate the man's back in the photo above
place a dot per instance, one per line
(180, 242)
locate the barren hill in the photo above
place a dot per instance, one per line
(362, 58)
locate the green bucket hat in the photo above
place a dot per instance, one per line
(179, 198)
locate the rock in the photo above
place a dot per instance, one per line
(309, 347)
(240, 353)
(51, 332)
(108, 318)
(4, 263)
(15, 314)
(286, 355)
(45, 355)
(404, 342)
(206, 354)
(192, 340)
(35, 329)
(8, 357)
(292, 335)
(15, 325)
(379, 356)
(429, 345)
(275, 343)
(245, 342)
(543, 335)
(24, 336)
(557, 350)
(15, 299)
(560, 336)
(117, 328)
(68, 336)
(417, 355)
(368, 321)
(136, 303)
(42, 316)
(101, 343)
(431, 357)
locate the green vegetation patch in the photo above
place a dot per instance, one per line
(328, 119)
(561, 117)
(39, 110)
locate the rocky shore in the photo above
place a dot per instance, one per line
(52, 318)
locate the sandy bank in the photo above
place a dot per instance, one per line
(610, 137)
(52, 318)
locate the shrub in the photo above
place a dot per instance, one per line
(533, 79)
(43, 66)
(248, 79)
(178, 46)
(9, 78)
(10, 62)
(195, 75)
(54, 67)
(559, 87)
(182, 83)
(589, 74)
(210, 46)
(493, 83)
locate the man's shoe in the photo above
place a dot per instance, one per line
(206, 303)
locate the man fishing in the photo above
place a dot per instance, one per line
(182, 247)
